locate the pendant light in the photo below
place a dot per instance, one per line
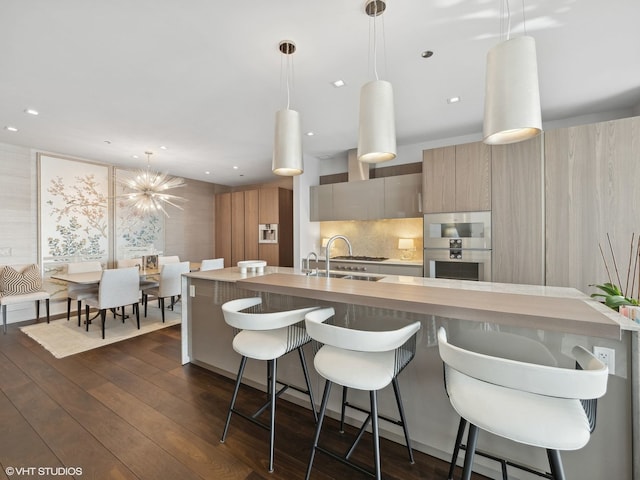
(287, 148)
(512, 98)
(377, 129)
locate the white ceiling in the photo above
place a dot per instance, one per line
(203, 77)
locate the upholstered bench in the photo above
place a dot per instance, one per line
(20, 284)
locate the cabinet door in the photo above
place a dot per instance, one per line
(517, 229)
(406, 270)
(251, 199)
(439, 180)
(237, 227)
(223, 227)
(403, 196)
(321, 203)
(268, 206)
(473, 177)
(359, 200)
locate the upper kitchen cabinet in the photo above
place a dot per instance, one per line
(403, 196)
(389, 197)
(321, 203)
(591, 175)
(359, 200)
(457, 178)
(517, 227)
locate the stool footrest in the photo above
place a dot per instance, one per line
(381, 417)
(504, 463)
(345, 461)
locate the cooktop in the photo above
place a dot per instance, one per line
(362, 258)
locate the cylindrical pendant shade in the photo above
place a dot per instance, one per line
(512, 97)
(377, 133)
(287, 148)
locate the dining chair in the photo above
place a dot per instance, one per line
(168, 259)
(137, 262)
(169, 285)
(118, 287)
(212, 264)
(78, 291)
(537, 405)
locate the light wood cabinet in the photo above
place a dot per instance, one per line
(238, 215)
(276, 206)
(359, 200)
(403, 196)
(591, 175)
(517, 221)
(223, 226)
(457, 178)
(321, 203)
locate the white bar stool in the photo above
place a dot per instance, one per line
(266, 336)
(504, 345)
(538, 405)
(364, 360)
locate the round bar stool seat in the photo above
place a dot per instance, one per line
(267, 337)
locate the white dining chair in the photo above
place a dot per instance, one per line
(169, 285)
(119, 287)
(137, 262)
(211, 264)
(538, 405)
(163, 260)
(78, 291)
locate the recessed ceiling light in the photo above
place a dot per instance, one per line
(162, 147)
(10, 128)
(309, 134)
(235, 167)
(453, 100)
(31, 111)
(135, 156)
(427, 54)
(207, 172)
(338, 83)
(108, 142)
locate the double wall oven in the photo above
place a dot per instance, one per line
(458, 245)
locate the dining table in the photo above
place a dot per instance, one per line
(92, 278)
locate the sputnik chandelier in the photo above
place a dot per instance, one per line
(149, 188)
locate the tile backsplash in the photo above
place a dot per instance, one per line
(375, 238)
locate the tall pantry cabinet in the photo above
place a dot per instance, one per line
(238, 216)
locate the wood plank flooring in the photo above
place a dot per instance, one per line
(129, 410)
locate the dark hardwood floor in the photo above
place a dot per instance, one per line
(129, 410)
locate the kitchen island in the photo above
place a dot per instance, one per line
(559, 317)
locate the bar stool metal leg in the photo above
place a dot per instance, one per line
(344, 406)
(243, 362)
(305, 371)
(374, 427)
(456, 450)
(472, 440)
(323, 409)
(272, 432)
(555, 462)
(405, 428)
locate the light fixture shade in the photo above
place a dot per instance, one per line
(512, 97)
(287, 148)
(377, 133)
(405, 243)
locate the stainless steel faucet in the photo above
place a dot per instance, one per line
(328, 248)
(308, 261)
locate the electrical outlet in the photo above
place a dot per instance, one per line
(606, 356)
(192, 290)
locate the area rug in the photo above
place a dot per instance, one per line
(63, 338)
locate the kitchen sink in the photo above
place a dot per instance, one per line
(348, 276)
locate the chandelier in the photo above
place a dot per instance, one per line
(149, 188)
